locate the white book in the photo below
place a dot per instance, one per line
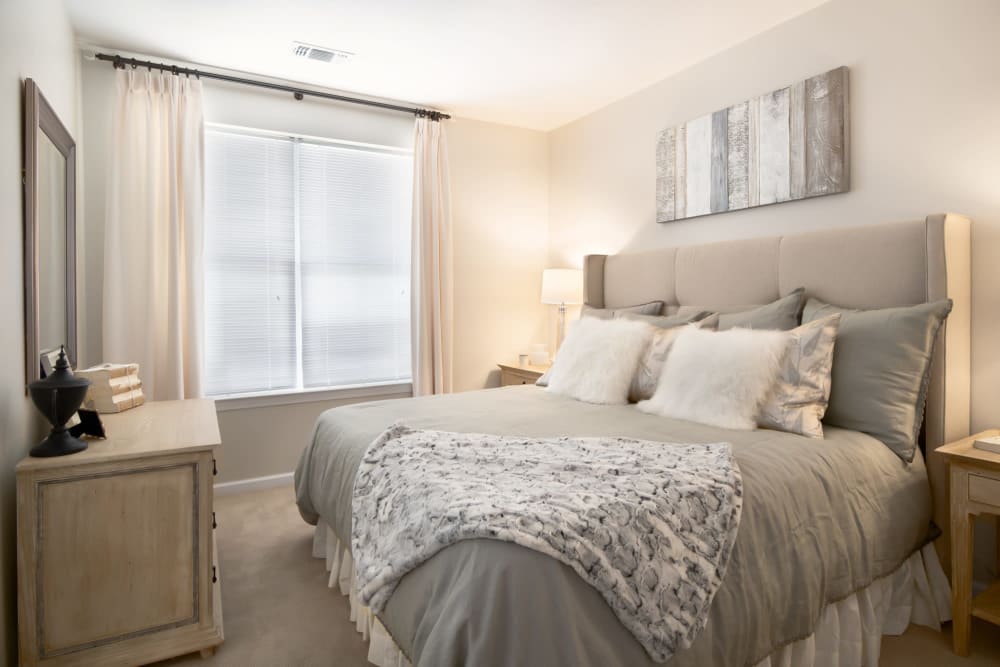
(988, 444)
(116, 403)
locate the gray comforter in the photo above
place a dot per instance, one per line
(821, 519)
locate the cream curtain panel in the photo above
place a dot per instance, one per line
(153, 276)
(431, 306)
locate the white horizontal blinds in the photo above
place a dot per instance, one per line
(249, 264)
(354, 217)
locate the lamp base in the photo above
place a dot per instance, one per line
(59, 443)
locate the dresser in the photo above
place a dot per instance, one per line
(116, 558)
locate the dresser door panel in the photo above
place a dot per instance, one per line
(98, 585)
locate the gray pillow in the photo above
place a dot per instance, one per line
(784, 314)
(651, 308)
(665, 321)
(881, 368)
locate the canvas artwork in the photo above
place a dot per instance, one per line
(788, 144)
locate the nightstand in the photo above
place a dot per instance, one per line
(517, 374)
(974, 478)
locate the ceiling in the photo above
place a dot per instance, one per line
(536, 64)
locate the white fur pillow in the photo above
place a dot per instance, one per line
(719, 378)
(598, 359)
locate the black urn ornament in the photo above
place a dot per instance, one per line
(58, 397)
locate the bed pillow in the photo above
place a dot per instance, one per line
(598, 359)
(798, 400)
(651, 308)
(784, 314)
(651, 362)
(719, 378)
(647, 375)
(666, 321)
(881, 368)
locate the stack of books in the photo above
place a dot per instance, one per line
(113, 388)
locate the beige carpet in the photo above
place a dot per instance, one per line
(279, 612)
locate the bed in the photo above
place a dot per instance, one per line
(835, 543)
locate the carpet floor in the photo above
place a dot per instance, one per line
(278, 611)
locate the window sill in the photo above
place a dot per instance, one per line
(296, 396)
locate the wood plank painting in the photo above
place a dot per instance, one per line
(788, 144)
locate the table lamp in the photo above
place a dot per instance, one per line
(562, 287)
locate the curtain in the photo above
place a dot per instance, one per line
(153, 275)
(431, 303)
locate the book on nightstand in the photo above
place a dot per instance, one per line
(988, 444)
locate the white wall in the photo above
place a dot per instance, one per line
(500, 208)
(36, 41)
(925, 98)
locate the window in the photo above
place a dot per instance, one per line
(307, 263)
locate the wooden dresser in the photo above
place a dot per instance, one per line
(116, 561)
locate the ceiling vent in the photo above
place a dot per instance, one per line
(322, 54)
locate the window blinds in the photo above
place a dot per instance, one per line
(307, 264)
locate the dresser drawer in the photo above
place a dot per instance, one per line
(984, 489)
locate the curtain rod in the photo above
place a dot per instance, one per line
(121, 62)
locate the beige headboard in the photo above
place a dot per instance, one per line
(875, 266)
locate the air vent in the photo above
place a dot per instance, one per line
(320, 53)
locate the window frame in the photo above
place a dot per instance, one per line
(300, 393)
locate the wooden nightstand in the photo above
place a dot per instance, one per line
(974, 479)
(116, 553)
(517, 374)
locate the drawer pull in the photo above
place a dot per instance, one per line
(215, 468)
(214, 523)
(214, 578)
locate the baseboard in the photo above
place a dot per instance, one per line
(253, 484)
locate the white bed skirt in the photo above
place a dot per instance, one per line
(849, 631)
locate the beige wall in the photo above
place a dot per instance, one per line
(36, 41)
(499, 186)
(925, 100)
(264, 441)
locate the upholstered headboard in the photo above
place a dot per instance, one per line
(875, 266)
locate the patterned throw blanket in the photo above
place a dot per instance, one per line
(650, 525)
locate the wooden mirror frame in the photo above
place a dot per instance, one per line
(39, 117)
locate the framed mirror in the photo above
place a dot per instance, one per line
(49, 232)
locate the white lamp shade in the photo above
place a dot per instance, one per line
(562, 286)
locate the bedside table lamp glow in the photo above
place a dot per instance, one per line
(562, 287)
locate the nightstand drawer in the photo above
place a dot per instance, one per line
(516, 374)
(508, 379)
(984, 490)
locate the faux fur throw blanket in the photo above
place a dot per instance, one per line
(650, 525)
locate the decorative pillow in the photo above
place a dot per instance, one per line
(784, 314)
(651, 308)
(651, 363)
(881, 368)
(598, 359)
(649, 368)
(719, 378)
(799, 398)
(666, 321)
